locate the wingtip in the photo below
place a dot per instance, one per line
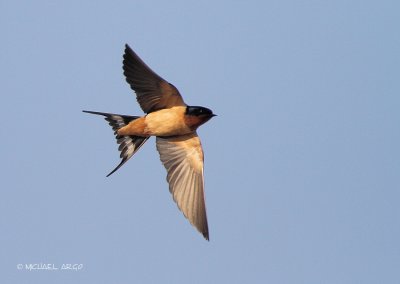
(127, 52)
(127, 48)
(205, 233)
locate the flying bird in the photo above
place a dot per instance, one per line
(174, 125)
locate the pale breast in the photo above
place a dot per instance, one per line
(167, 122)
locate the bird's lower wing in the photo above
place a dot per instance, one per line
(183, 159)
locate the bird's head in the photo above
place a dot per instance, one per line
(197, 115)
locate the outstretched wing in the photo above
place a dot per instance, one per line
(152, 92)
(182, 156)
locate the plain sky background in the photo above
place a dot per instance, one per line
(302, 163)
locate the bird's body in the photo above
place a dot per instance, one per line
(174, 124)
(164, 122)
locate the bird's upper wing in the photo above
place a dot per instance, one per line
(182, 156)
(152, 92)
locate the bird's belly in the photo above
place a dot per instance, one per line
(166, 122)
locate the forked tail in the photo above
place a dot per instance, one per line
(129, 144)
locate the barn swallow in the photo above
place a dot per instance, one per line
(174, 124)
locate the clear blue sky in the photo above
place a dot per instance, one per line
(302, 163)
